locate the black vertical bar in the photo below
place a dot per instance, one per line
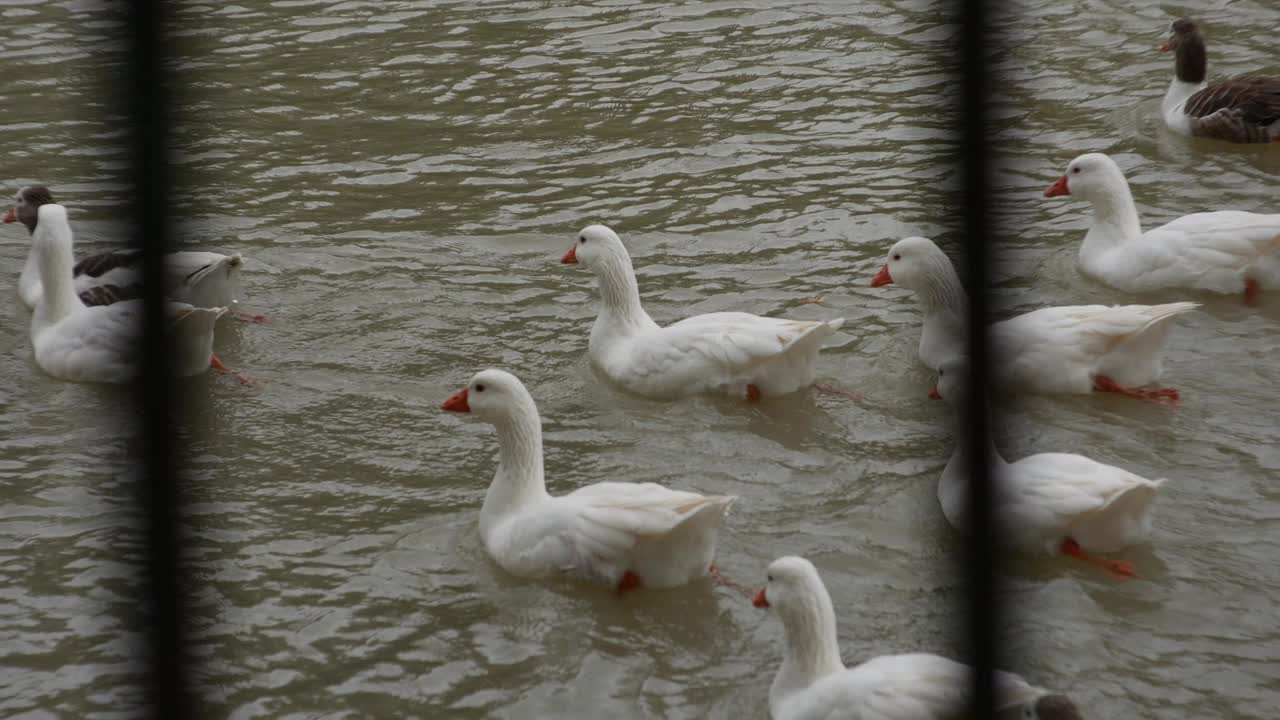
(983, 545)
(148, 117)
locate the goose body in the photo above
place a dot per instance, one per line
(625, 535)
(814, 684)
(1242, 109)
(1079, 348)
(73, 341)
(731, 353)
(1226, 251)
(1059, 502)
(202, 279)
(99, 343)
(1064, 349)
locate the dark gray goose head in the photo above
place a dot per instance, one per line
(1190, 57)
(26, 205)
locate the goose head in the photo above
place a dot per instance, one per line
(952, 385)
(493, 396)
(499, 398)
(26, 205)
(914, 263)
(1090, 177)
(1190, 56)
(796, 591)
(597, 247)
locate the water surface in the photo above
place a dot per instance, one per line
(404, 177)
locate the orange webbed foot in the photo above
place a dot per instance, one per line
(1121, 569)
(1102, 383)
(216, 364)
(629, 581)
(1252, 289)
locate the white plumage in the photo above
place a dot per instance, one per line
(100, 343)
(1226, 251)
(814, 684)
(724, 352)
(1067, 349)
(620, 534)
(1045, 499)
(1064, 349)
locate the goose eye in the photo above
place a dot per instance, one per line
(582, 239)
(770, 577)
(1075, 170)
(479, 387)
(897, 256)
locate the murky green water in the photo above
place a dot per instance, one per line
(404, 176)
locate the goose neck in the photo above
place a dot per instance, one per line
(29, 280)
(1177, 94)
(620, 293)
(943, 290)
(519, 479)
(812, 648)
(58, 293)
(1191, 58)
(953, 488)
(1115, 217)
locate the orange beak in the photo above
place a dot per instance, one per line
(571, 257)
(882, 278)
(760, 600)
(11, 216)
(934, 394)
(1058, 188)
(457, 403)
(1163, 47)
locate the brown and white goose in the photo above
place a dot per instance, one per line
(202, 279)
(1242, 109)
(75, 341)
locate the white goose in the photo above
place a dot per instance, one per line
(814, 684)
(732, 353)
(203, 279)
(1226, 251)
(625, 535)
(1065, 349)
(1061, 502)
(73, 341)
